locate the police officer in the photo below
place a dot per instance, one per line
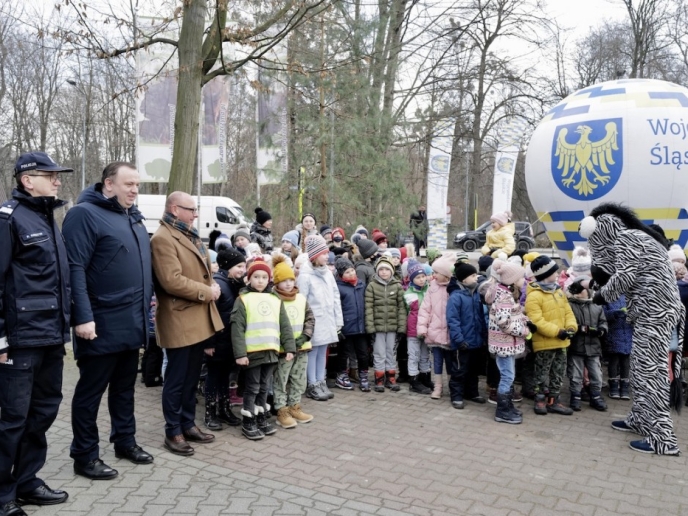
(112, 286)
(34, 327)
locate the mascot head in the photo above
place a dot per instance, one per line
(603, 226)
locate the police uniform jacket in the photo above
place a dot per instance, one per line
(34, 273)
(110, 264)
(186, 313)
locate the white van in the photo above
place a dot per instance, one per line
(221, 213)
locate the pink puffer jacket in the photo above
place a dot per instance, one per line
(432, 316)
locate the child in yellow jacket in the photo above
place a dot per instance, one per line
(549, 310)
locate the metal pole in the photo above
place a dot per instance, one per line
(83, 150)
(466, 208)
(200, 160)
(332, 169)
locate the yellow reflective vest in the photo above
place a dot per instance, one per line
(296, 311)
(262, 322)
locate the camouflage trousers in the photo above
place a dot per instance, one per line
(550, 368)
(290, 380)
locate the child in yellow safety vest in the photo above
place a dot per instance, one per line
(260, 326)
(290, 377)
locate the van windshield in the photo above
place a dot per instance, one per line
(239, 213)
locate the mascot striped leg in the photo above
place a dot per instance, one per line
(650, 414)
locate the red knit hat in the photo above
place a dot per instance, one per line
(338, 231)
(259, 265)
(378, 236)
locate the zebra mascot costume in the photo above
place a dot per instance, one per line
(630, 258)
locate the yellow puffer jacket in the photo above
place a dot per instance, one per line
(501, 239)
(550, 312)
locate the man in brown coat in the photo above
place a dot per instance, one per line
(186, 317)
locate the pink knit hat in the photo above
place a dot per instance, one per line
(508, 272)
(501, 218)
(443, 266)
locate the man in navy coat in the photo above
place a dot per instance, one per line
(112, 285)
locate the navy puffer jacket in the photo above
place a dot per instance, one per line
(465, 316)
(111, 275)
(353, 306)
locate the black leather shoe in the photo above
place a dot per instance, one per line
(42, 495)
(196, 435)
(11, 509)
(95, 470)
(134, 454)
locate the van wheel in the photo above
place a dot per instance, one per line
(469, 246)
(523, 246)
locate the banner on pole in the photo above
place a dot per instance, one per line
(508, 146)
(272, 118)
(156, 70)
(216, 94)
(438, 184)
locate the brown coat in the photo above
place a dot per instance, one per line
(186, 313)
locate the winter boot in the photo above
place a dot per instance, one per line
(324, 388)
(492, 396)
(557, 407)
(575, 402)
(426, 380)
(225, 414)
(211, 421)
(354, 377)
(504, 414)
(417, 386)
(284, 418)
(540, 406)
(364, 384)
(513, 409)
(515, 395)
(597, 401)
(299, 415)
(379, 381)
(625, 389)
(249, 427)
(391, 381)
(437, 390)
(314, 392)
(614, 392)
(585, 393)
(343, 381)
(234, 398)
(263, 424)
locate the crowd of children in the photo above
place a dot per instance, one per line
(286, 309)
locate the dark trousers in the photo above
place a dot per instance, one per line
(179, 390)
(493, 374)
(258, 380)
(463, 369)
(217, 379)
(619, 366)
(30, 396)
(356, 345)
(402, 356)
(115, 372)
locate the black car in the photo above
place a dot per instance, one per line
(473, 240)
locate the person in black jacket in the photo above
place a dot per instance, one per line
(34, 327)
(112, 285)
(230, 278)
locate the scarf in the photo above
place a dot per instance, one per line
(352, 281)
(286, 296)
(548, 287)
(189, 231)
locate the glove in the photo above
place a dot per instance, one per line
(584, 330)
(300, 341)
(463, 346)
(570, 334)
(563, 335)
(341, 337)
(532, 327)
(576, 287)
(598, 299)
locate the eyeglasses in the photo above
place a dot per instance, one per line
(194, 210)
(54, 177)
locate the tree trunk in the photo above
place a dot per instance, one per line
(185, 148)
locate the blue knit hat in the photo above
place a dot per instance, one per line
(414, 269)
(291, 236)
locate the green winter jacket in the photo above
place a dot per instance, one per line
(238, 333)
(384, 306)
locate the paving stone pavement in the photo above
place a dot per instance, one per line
(391, 454)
